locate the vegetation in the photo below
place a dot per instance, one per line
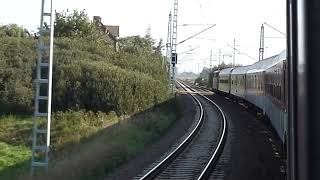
(13, 30)
(94, 87)
(97, 156)
(84, 144)
(76, 24)
(88, 74)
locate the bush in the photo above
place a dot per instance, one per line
(17, 62)
(87, 75)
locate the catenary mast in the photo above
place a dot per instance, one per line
(261, 49)
(169, 45)
(42, 106)
(174, 43)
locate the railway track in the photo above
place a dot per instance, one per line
(196, 155)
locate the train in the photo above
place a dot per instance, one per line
(262, 85)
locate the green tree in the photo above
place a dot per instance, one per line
(75, 24)
(13, 30)
(137, 44)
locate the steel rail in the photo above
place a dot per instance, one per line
(166, 161)
(213, 159)
(205, 173)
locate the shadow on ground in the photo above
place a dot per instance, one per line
(96, 156)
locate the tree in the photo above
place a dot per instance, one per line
(137, 44)
(13, 30)
(159, 47)
(75, 24)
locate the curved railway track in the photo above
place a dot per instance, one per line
(196, 156)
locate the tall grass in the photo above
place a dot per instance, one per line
(84, 144)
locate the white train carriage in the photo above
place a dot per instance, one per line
(215, 80)
(276, 83)
(224, 80)
(255, 90)
(238, 81)
(263, 84)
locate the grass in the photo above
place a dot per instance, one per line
(15, 130)
(85, 145)
(11, 155)
(15, 146)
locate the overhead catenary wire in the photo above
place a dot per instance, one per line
(275, 29)
(242, 52)
(205, 38)
(196, 34)
(189, 50)
(194, 24)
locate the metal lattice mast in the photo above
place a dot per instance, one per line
(174, 41)
(234, 52)
(210, 60)
(42, 107)
(168, 45)
(261, 49)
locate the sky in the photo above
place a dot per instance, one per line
(234, 19)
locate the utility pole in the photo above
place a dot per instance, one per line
(169, 45)
(210, 59)
(219, 58)
(261, 49)
(174, 43)
(234, 52)
(43, 91)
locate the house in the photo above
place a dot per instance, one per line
(111, 31)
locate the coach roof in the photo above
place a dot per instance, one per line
(226, 71)
(267, 63)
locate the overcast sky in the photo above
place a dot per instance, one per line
(239, 19)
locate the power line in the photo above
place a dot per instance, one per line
(275, 29)
(189, 50)
(195, 24)
(205, 39)
(275, 37)
(242, 52)
(196, 34)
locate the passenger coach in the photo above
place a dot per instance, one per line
(263, 84)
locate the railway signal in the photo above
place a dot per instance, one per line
(174, 59)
